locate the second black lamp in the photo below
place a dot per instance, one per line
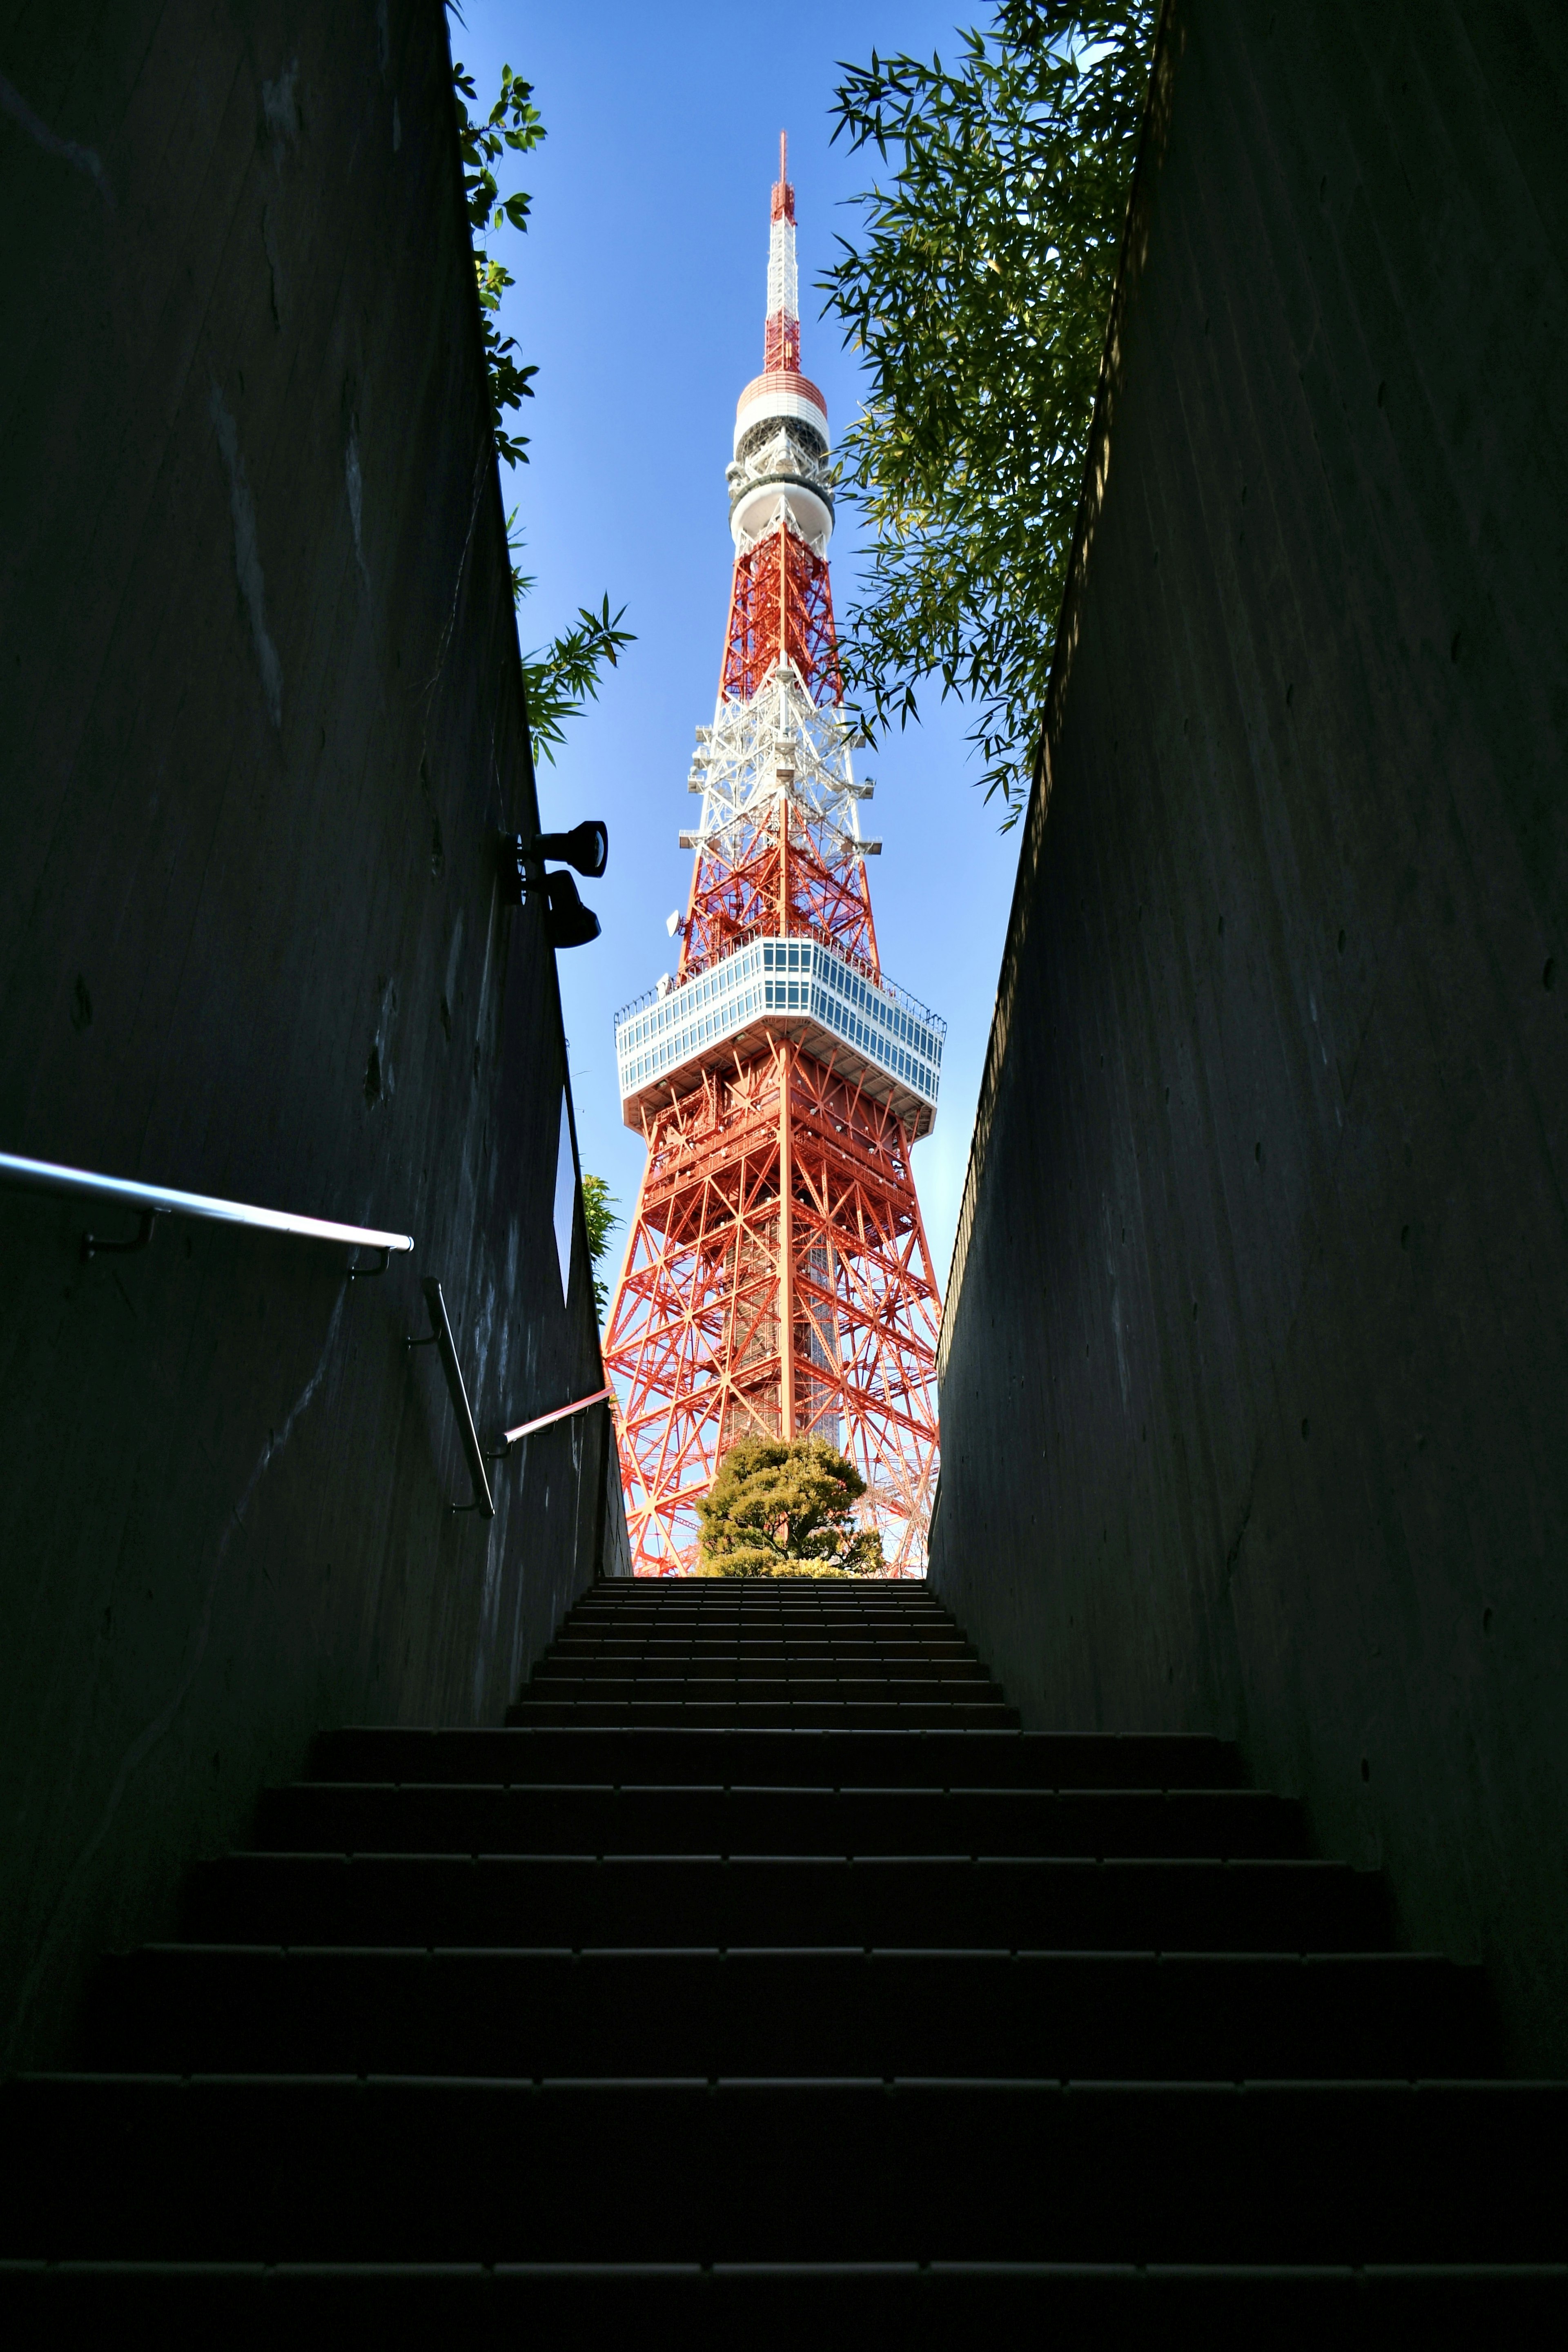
(567, 922)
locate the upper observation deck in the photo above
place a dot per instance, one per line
(874, 1033)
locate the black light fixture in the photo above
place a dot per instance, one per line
(567, 922)
(586, 846)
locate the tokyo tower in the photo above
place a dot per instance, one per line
(778, 1279)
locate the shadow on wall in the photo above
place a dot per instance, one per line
(264, 719)
(1255, 1351)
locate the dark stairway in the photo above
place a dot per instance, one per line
(763, 1975)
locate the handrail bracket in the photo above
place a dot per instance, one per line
(94, 1245)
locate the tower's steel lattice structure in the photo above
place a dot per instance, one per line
(778, 1277)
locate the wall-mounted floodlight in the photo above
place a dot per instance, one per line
(567, 922)
(586, 846)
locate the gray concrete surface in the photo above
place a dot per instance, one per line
(1256, 1354)
(262, 716)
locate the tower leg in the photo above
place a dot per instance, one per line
(778, 1280)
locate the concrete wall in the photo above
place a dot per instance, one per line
(262, 716)
(1256, 1353)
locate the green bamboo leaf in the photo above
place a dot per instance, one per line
(978, 290)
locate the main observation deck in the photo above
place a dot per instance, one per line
(872, 1032)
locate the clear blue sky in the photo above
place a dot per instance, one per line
(640, 293)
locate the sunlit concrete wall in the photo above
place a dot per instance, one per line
(1255, 1394)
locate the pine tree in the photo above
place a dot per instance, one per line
(786, 1507)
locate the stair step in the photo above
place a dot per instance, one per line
(779, 1712)
(763, 1975)
(678, 1625)
(767, 2305)
(263, 2168)
(200, 2008)
(907, 1640)
(708, 1685)
(876, 1596)
(685, 1755)
(770, 1664)
(1006, 1902)
(337, 1816)
(911, 1637)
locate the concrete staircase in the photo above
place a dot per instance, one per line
(761, 1975)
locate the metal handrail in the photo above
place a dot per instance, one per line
(441, 1338)
(510, 1437)
(158, 1201)
(152, 1201)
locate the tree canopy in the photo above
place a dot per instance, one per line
(979, 291)
(785, 1508)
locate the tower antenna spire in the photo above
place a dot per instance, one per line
(782, 338)
(778, 1279)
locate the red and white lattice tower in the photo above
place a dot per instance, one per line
(778, 1277)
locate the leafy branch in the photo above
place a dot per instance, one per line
(561, 678)
(512, 123)
(599, 1217)
(979, 294)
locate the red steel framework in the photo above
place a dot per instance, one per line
(780, 601)
(778, 1278)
